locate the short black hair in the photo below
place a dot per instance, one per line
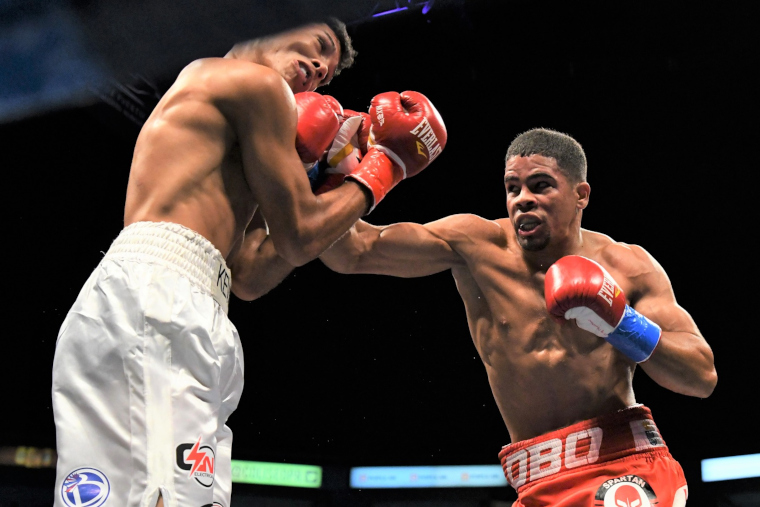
(347, 51)
(568, 152)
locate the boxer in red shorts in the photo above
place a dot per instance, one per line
(617, 459)
(562, 317)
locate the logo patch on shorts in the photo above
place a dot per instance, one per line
(215, 504)
(625, 491)
(85, 487)
(198, 460)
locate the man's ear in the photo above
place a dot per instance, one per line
(582, 191)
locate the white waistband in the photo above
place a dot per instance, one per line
(179, 248)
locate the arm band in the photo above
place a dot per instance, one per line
(635, 336)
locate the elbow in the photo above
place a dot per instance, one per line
(297, 250)
(707, 386)
(339, 262)
(246, 292)
(709, 377)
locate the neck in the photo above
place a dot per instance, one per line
(556, 249)
(248, 51)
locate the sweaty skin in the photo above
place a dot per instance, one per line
(544, 374)
(221, 144)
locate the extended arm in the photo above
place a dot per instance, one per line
(403, 249)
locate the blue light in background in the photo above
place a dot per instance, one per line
(44, 64)
(428, 477)
(731, 467)
(397, 9)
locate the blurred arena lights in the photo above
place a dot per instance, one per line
(731, 467)
(463, 476)
(28, 457)
(399, 7)
(44, 63)
(276, 474)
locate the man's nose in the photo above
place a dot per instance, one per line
(525, 201)
(320, 68)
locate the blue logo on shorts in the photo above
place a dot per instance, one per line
(85, 487)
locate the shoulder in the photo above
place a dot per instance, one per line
(467, 228)
(233, 72)
(229, 80)
(634, 264)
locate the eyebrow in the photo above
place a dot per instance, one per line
(326, 81)
(332, 41)
(531, 177)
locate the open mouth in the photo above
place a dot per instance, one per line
(304, 70)
(528, 225)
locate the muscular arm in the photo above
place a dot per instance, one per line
(256, 267)
(261, 110)
(404, 249)
(683, 361)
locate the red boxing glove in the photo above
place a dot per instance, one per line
(334, 104)
(407, 134)
(378, 174)
(362, 135)
(408, 129)
(578, 288)
(318, 124)
(345, 152)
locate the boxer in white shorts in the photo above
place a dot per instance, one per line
(148, 367)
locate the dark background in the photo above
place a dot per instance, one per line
(367, 370)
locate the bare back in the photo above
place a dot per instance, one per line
(544, 374)
(187, 165)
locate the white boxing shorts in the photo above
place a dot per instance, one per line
(147, 369)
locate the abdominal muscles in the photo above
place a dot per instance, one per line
(548, 375)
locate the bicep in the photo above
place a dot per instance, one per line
(657, 300)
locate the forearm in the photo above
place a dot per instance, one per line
(338, 211)
(315, 222)
(683, 363)
(257, 268)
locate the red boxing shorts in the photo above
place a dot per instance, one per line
(615, 460)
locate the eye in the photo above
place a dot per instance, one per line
(322, 43)
(541, 185)
(512, 189)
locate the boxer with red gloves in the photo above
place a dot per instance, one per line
(561, 317)
(216, 155)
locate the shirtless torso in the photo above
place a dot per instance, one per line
(187, 166)
(221, 144)
(544, 373)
